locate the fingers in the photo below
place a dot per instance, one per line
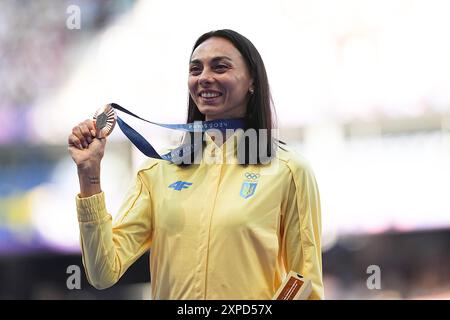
(82, 134)
(73, 141)
(86, 134)
(91, 127)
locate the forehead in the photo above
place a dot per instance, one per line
(214, 47)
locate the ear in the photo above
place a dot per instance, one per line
(251, 88)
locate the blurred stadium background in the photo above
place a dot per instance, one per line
(361, 88)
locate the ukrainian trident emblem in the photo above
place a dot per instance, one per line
(249, 185)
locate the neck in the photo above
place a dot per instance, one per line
(219, 140)
(223, 116)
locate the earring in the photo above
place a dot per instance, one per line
(251, 90)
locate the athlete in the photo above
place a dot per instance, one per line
(229, 226)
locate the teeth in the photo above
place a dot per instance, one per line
(210, 94)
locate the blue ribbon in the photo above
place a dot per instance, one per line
(177, 154)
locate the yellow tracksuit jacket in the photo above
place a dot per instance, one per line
(215, 231)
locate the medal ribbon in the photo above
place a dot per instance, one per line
(177, 154)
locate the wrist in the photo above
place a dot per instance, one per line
(89, 177)
(89, 168)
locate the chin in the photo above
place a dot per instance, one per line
(209, 110)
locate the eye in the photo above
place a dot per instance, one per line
(221, 67)
(195, 70)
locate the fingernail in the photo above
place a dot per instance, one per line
(93, 133)
(85, 144)
(89, 139)
(80, 146)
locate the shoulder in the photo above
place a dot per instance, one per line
(147, 165)
(294, 161)
(150, 164)
(292, 158)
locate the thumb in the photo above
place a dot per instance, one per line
(98, 144)
(103, 141)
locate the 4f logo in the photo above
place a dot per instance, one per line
(180, 185)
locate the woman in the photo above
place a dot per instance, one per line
(216, 230)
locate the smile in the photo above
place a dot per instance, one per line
(209, 94)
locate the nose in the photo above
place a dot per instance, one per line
(206, 77)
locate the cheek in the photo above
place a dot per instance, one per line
(240, 85)
(191, 87)
(237, 91)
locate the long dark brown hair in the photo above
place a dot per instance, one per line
(260, 111)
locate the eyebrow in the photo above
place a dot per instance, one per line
(213, 59)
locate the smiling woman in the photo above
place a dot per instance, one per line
(216, 229)
(228, 79)
(219, 80)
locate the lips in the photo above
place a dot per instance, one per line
(210, 97)
(209, 94)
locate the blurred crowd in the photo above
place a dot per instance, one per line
(35, 44)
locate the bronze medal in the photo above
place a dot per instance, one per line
(105, 119)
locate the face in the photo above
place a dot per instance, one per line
(219, 80)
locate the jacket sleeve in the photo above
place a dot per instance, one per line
(301, 245)
(108, 250)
